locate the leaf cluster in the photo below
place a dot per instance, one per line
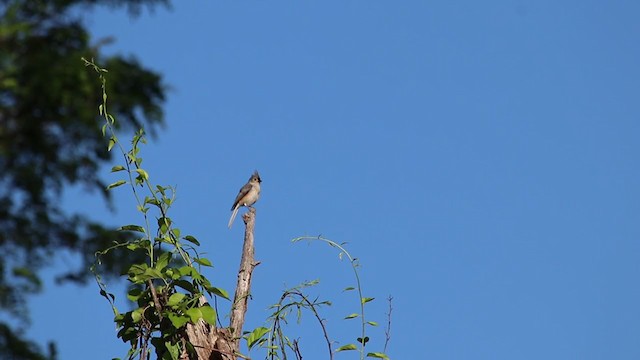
(280, 345)
(49, 142)
(167, 287)
(363, 339)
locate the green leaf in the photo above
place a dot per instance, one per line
(311, 283)
(151, 273)
(175, 299)
(136, 315)
(139, 274)
(28, 275)
(136, 228)
(174, 350)
(354, 315)
(118, 318)
(203, 261)
(137, 269)
(372, 323)
(184, 284)
(143, 174)
(219, 292)
(112, 142)
(127, 333)
(255, 336)
(165, 239)
(117, 168)
(366, 300)
(194, 314)
(150, 200)
(349, 288)
(347, 347)
(178, 321)
(186, 270)
(163, 261)
(363, 341)
(164, 223)
(116, 184)
(134, 246)
(191, 239)
(378, 355)
(134, 294)
(208, 314)
(108, 296)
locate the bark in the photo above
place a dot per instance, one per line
(211, 343)
(243, 286)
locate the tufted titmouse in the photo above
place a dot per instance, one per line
(248, 195)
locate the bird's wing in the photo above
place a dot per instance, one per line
(243, 192)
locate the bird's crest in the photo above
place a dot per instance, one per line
(256, 175)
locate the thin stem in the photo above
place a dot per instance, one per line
(276, 329)
(109, 123)
(358, 285)
(387, 331)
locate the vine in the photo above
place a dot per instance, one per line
(167, 287)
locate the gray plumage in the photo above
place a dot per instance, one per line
(247, 196)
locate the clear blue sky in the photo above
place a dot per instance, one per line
(481, 159)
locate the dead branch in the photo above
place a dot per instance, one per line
(243, 286)
(211, 343)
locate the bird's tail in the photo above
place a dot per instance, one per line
(233, 215)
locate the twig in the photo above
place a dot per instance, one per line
(296, 349)
(387, 331)
(320, 321)
(354, 266)
(156, 301)
(276, 330)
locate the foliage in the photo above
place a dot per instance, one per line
(12, 345)
(167, 287)
(278, 344)
(49, 142)
(362, 340)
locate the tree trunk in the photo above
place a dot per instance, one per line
(211, 343)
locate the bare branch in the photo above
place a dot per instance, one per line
(214, 343)
(387, 331)
(243, 286)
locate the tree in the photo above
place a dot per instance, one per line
(170, 316)
(50, 139)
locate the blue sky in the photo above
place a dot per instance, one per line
(480, 158)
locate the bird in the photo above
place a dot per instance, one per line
(247, 196)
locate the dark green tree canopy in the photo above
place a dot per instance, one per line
(50, 137)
